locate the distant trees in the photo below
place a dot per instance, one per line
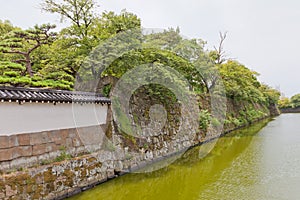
(5, 27)
(293, 102)
(284, 102)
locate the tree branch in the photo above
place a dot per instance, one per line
(220, 50)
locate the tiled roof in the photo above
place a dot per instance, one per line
(49, 95)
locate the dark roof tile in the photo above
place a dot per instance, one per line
(36, 94)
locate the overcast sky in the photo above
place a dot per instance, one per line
(262, 34)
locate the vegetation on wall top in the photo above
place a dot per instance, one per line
(41, 57)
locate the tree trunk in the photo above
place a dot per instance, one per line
(28, 65)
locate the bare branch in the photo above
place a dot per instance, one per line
(220, 49)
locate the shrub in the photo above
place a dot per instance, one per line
(204, 119)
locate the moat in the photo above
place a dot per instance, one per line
(258, 162)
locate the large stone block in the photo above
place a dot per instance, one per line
(39, 149)
(4, 142)
(39, 138)
(24, 139)
(6, 154)
(51, 147)
(58, 136)
(13, 141)
(22, 151)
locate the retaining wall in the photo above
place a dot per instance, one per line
(27, 150)
(290, 110)
(111, 153)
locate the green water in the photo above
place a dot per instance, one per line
(261, 162)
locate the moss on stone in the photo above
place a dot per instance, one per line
(69, 175)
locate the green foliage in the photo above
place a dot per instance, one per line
(284, 103)
(110, 23)
(63, 156)
(252, 114)
(248, 113)
(4, 80)
(60, 76)
(11, 74)
(54, 60)
(5, 27)
(15, 81)
(76, 42)
(271, 95)
(295, 101)
(106, 90)
(237, 122)
(6, 66)
(79, 12)
(241, 83)
(57, 64)
(22, 81)
(201, 69)
(167, 40)
(204, 119)
(215, 122)
(162, 57)
(22, 43)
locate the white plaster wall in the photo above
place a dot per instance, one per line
(35, 117)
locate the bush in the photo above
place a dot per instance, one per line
(204, 119)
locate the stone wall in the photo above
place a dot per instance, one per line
(57, 180)
(63, 179)
(290, 110)
(27, 150)
(111, 152)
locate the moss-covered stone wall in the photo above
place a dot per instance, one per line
(47, 177)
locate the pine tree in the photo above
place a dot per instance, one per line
(23, 43)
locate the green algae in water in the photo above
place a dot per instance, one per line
(257, 162)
